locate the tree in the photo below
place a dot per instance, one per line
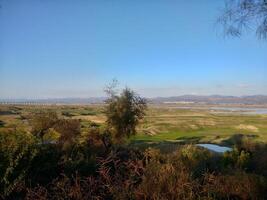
(241, 15)
(124, 112)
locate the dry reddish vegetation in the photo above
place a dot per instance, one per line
(88, 171)
(189, 173)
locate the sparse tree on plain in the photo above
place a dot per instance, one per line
(124, 112)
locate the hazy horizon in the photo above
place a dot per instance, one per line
(61, 49)
(103, 97)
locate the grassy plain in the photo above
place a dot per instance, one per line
(163, 125)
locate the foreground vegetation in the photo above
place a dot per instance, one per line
(116, 152)
(88, 171)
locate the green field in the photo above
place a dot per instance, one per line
(162, 124)
(189, 124)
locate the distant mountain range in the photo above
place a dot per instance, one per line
(91, 100)
(212, 99)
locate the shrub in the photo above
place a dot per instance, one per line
(67, 114)
(194, 159)
(2, 123)
(45, 166)
(237, 185)
(69, 129)
(51, 136)
(17, 150)
(237, 159)
(42, 121)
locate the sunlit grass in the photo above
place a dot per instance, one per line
(160, 124)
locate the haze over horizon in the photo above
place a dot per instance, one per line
(102, 98)
(59, 49)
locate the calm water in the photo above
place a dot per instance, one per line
(215, 148)
(242, 110)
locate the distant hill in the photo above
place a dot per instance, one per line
(212, 99)
(91, 100)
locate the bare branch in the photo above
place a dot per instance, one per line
(241, 15)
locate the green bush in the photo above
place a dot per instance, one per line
(17, 150)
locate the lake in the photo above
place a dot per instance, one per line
(241, 110)
(215, 148)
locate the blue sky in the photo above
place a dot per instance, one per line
(64, 48)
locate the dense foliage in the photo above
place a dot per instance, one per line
(86, 171)
(124, 113)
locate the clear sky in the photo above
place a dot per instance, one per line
(66, 48)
